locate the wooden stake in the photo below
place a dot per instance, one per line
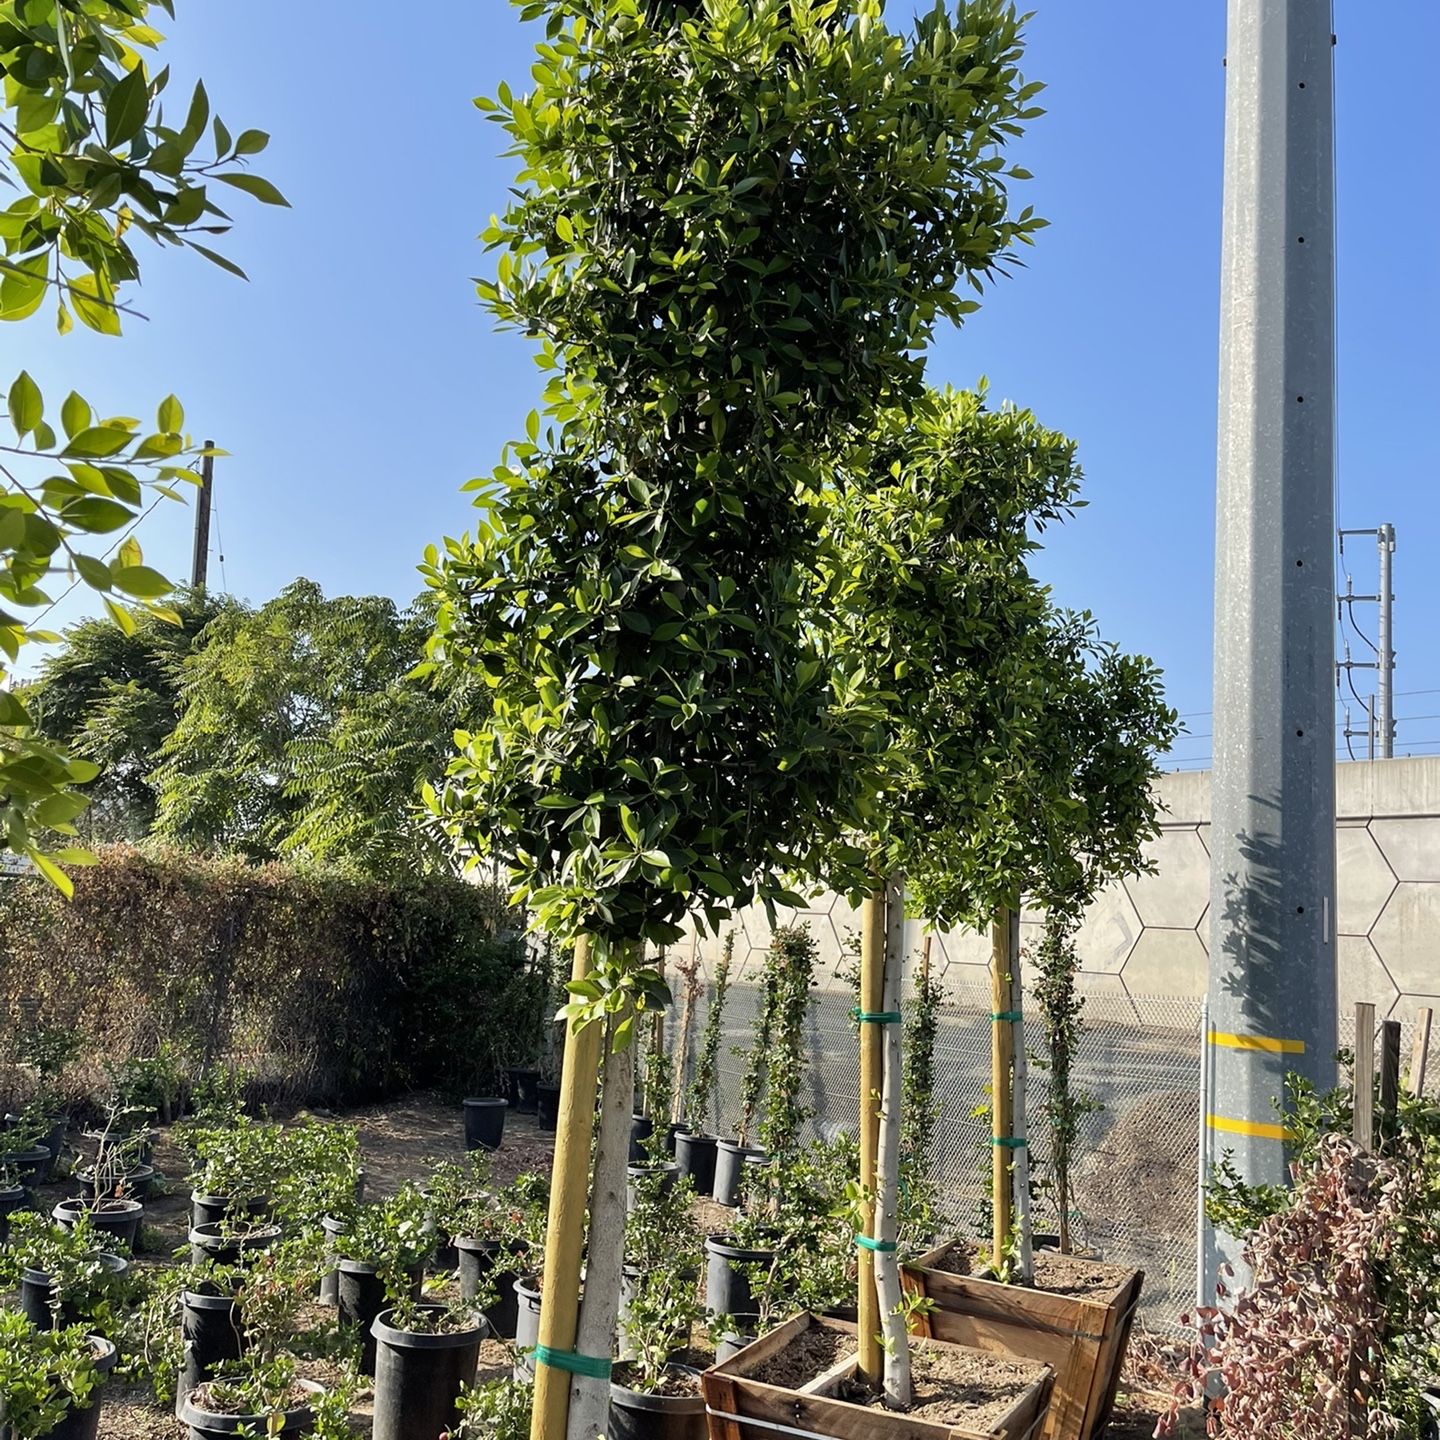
(925, 959)
(1362, 1129)
(1001, 1059)
(1420, 1050)
(565, 1231)
(872, 999)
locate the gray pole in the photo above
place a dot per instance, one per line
(1385, 685)
(1272, 898)
(200, 556)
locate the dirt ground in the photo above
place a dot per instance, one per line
(398, 1141)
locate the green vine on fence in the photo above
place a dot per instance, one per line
(702, 1102)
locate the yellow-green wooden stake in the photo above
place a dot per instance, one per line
(872, 1001)
(1001, 1058)
(565, 1231)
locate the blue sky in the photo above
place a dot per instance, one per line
(358, 384)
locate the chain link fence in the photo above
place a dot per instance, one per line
(1135, 1167)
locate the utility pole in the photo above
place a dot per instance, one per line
(1272, 1000)
(200, 559)
(1383, 707)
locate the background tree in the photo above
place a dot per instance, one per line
(738, 229)
(91, 166)
(113, 696)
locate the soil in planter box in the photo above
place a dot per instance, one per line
(952, 1387)
(1055, 1273)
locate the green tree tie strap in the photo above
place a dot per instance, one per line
(1010, 1142)
(876, 1017)
(880, 1247)
(588, 1365)
(1007, 1015)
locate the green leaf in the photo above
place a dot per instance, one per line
(216, 258)
(54, 874)
(96, 516)
(140, 581)
(74, 414)
(126, 107)
(94, 299)
(23, 287)
(251, 142)
(27, 406)
(257, 186)
(12, 712)
(171, 416)
(130, 552)
(98, 440)
(121, 616)
(93, 571)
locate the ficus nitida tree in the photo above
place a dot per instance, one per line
(737, 226)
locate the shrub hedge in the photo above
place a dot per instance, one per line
(331, 989)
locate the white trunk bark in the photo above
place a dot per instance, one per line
(899, 1392)
(1021, 1170)
(590, 1398)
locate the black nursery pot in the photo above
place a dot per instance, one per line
(418, 1378)
(675, 1129)
(136, 1183)
(523, 1081)
(212, 1209)
(668, 1174)
(479, 1260)
(361, 1298)
(85, 1424)
(547, 1107)
(12, 1198)
(211, 1243)
(484, 1123)
(642, 1127)
(33, 1166)
(207, 1425)
(636, 1415)
(695, 1155)
(120, 1219)
(330, 1280)
(730, 1160)
(35, 1294)
(213, 1332)
(727, 1287)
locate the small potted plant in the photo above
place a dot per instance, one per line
(50, 1379)
(497, 1410)
(262, 1391)
(652, 1397)
(695, 1148)
(13, 1195)
(65, 1277)
(109, 1201)
(24, 1161)
(120, 1167)
(425, 1355)
(239, 1164)
(383, 1242)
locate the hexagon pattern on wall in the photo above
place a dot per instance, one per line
(1150, 934)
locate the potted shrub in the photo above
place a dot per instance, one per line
(24, 1159)
(118, 1171)
(497, 1233)
(231, 1242)
(652, 1398)
(695, 1148)
(109, 1202)
(384, 1242)
(497, 1410)
(65, 1277)
(425, 1356)
(317, 1173)
(791, 1246)
(238, 1169)
(49, 1380)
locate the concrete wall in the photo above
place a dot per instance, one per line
(1148, 936)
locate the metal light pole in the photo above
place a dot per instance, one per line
(1385, 683)
(1272, 999)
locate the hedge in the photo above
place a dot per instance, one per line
(333, 990)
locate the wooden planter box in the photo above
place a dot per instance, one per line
(1082, 1341)
(733, 1398)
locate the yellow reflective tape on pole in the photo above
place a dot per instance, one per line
(1257, 1042)
(1260, 1128)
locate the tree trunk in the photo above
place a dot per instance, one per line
(899, 1393)
(589, 1397)
(565, 1229)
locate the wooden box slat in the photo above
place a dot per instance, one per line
(1083, 1341)
(733, 1397)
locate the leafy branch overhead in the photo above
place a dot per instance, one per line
(94, 160)
(736, 232)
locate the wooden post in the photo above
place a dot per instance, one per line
(1001, 1058)
(1420, 1050)
(1389, 1080)
(925, 959)
(872, 999)
(1363, 1129)
(565, 1230)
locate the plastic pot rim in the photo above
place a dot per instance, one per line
(191, 1414)
(398, 1339)
(646, 1400)
(81, 1206)
(115, 1264)
(209, 1232)
(721, 1245)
